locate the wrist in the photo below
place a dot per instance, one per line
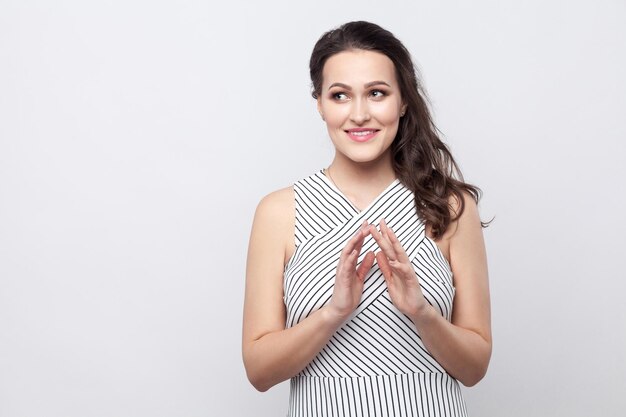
(423, 314)
(332, 316)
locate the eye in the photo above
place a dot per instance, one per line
(340, 96)
(378, 93)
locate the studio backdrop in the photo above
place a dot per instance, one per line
(137, 138)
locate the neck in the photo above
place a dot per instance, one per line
(362, 178)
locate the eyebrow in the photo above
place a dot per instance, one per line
(368, 85)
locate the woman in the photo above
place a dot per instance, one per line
(367, 281)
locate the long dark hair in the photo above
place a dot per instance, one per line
(421, 160)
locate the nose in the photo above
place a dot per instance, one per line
(360, 112)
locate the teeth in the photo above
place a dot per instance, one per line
(363, 133)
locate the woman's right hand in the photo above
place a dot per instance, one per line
(350, 278)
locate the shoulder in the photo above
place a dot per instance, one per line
(469, 217)
(468, 205)
(465, 234)
(274, 223)
(277, 204)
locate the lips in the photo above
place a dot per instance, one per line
(361, 134)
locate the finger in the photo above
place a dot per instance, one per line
(348, 263)
(402, 267)
(385, 268)
(356, 241)
(384, 243)
(395, 243)
(363, 232)
(365, 266)
(350, 253)
(404, 270)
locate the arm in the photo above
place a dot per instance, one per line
(462, 346)
(271, 353)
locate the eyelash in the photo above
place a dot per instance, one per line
(335, 96)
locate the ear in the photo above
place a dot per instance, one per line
(319, 108)
(403, 110)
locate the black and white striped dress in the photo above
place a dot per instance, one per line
(375, 364)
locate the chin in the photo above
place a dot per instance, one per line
(363, 157)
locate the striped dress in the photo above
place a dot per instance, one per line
(375, 364)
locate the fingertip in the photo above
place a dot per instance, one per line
(388, 231)
(358, 235)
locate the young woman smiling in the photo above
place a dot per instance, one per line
(367, 282)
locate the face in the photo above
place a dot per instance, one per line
(361, 103)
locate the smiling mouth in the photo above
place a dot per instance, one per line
(361, 135)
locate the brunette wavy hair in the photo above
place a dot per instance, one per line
(422, 162)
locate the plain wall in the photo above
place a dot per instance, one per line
(137, 137)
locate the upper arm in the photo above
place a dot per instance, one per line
(469, 267)
(272, 233)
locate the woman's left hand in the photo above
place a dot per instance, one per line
(402, 282)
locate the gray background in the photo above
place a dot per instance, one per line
(137, 137)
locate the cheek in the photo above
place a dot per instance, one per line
(336, 116)
(387, 112)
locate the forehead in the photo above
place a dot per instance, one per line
(356, 67)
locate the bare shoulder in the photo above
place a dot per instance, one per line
(275, 218)
(467, 245)
(277, 209)
(457, 227)
(469, 219)
(277, 203)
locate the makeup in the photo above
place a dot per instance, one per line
(361, 134)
